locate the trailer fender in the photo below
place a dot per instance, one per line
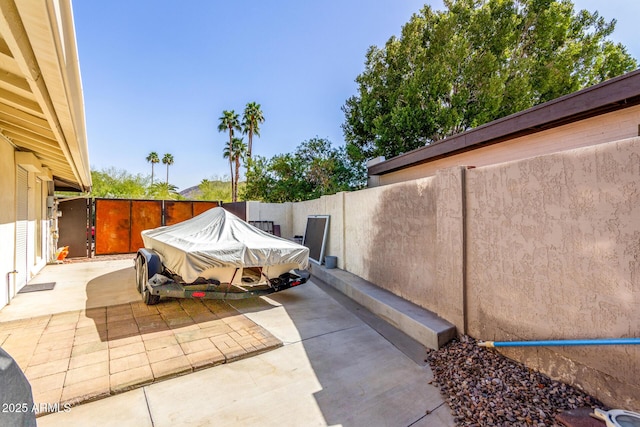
(148, 264)
(151, 260)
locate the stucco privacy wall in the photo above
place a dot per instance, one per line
(541, 248)
(279, 213)
(404, 237)
(553, 250)
(386, 235)
(388, 238)
(608, 127)
(325, 205)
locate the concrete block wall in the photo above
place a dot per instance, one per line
(542, 248)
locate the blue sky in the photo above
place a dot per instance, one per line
(157, 74)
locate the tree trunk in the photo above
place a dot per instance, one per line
(231, 160)
(235, 189)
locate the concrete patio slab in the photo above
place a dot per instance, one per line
(102, 347)
(331, 379)
(122, 410)
(79, 286)
(295, 316)
(333, 369)
(69, 363)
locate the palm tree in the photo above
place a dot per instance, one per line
(227, 153)
(167, 159)
(164, 191)
(228, 123)
(251, 122)
(239, 150)
(235, 154)
(153, 159)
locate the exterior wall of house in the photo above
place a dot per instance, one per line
(38, 224)
(40, 234)
(7, 221)
(49, 129)
(541, 248)
(608, 127)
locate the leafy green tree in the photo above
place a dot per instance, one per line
(315, 169)
(475, 62)
(260, 179)
(153, 159)
(118, 184)
(251, 121)
(327, 169)
(229, 122)
(276, 180)
(167, 159)
(214, 189)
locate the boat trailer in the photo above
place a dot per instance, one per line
(153, 281)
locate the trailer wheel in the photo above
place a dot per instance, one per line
(143, 277)
(149, 298)
(139, 267)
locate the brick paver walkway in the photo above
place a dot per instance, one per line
(84, 355)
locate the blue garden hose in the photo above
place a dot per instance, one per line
(550, 343)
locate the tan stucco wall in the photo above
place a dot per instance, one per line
(279, 213)
(554, 253)
(326, 205)
(604, 128)
(301, 210)
(389, 238)
(448, 293)
(7, 216)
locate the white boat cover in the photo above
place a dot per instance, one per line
(217, 238)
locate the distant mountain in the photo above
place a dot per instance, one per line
(191, 192)
(210, 190)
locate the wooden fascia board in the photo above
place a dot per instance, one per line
(27, 29)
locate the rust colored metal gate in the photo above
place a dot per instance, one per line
(118, 223)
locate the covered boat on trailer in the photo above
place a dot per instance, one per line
(217, 255)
